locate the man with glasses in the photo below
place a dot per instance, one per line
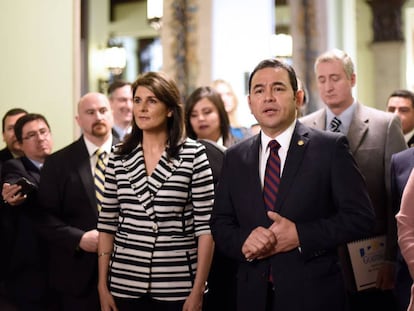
(26, 278)
(120, 98)
(10, 151)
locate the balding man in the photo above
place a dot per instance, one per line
(69, 207)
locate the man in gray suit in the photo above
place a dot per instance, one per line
(373, 137)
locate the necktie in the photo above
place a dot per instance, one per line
(334, 125)
(99, 176)
(272, 176)
(271, 182)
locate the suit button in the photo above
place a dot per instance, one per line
(155, 227)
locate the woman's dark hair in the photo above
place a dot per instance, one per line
(166, 91)
(214, 97)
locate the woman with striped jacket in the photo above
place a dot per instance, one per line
(155, 246)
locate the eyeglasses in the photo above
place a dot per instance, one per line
(42, 133)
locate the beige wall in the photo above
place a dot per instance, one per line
(38, 61)
(364, 55)
(130, 21)
(40, 66)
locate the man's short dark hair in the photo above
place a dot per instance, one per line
(116, 85)
(276, 63)
(10, 113)
(18, 127)
(404, 94)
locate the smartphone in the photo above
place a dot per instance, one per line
(27, 186)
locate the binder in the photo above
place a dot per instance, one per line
(367, 256)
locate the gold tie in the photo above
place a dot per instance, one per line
(99, 176)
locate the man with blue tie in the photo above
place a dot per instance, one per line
(283, 224)
(374, 136)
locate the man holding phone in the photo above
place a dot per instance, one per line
(26, 280)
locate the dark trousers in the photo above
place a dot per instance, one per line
(377, 300)
(403, 284)
(270, 296)
(147, 304)
(86, 302)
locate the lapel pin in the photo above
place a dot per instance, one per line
(301, 142)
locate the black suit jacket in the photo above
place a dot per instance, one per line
(5, 155)
(322, 192)
(222, 277)
(401, 165)
(69, 209)
(26, 263)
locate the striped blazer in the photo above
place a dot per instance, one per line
(156, 221)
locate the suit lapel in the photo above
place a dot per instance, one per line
(319, 121)
(251, 158)
(81, 156)
(31, 170)
(357, 129)
(250, 173)
(162, 172)
(297, 148)
(147, 187)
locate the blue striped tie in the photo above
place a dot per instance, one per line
(272, 176)
(334, 125)
(99, 176)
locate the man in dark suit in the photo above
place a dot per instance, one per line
(401, 165)
(10, 151)
(26, 265)
(401, 102)
(373, 136)
(68, 201)
(287, 255)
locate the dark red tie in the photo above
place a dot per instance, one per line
(271, 183)
(272, 176)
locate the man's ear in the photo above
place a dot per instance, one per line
(300, 96)
(353, 79)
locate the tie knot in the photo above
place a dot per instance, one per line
(335, 123)
(274, 145)
(100, 153)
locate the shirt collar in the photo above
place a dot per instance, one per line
(283, 139)
(346, 117)
(409, 135)
(38, 164)
(122, 131)
(91, 147)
